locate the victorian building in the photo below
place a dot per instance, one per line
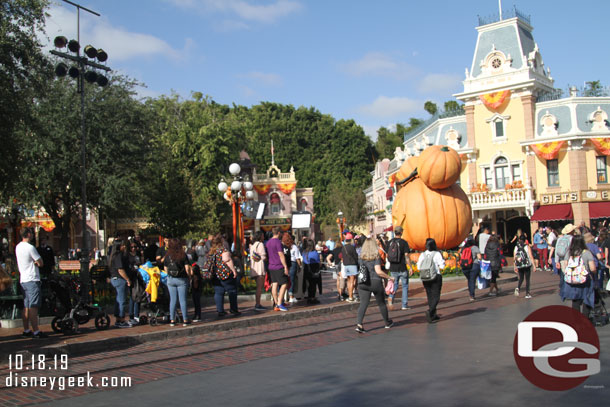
(532, 154)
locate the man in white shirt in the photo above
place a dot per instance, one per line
(28, 262)
(483, 238)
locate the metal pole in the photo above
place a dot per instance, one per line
(84, 261)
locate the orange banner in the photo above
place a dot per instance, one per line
(287, 188)
(548, 151)
(48, 225)
(602, 145)
(262, 189)
(392, 179)
(494, 100)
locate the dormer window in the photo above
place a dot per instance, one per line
(498, 127)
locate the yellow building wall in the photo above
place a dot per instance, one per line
(514, 131)
(592, 155)
(542, 186)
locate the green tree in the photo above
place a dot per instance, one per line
(430, 107)
(49, 161)
(348, 199)
(452, 106)
(594, 88)
(21, 62)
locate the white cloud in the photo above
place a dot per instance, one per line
(439, 83)
(379, 64)
(385, 106)
(245, 10)
(119, 43)
(269, 79)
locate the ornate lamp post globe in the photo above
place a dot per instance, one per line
(222, 186)
(234, 169)
(236, 185)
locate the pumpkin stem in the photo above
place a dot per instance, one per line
(444, 148)
(409, 178)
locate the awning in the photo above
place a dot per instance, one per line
(553, 212)
(599, 210)
(389, 228)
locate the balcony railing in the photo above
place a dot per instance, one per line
(282, 176)
(501, 199)
(506, 14)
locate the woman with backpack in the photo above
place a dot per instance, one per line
(492, 253)
(523, 265)
(369, 257)
(431, 262)
(224, 276)
(178, 273)
(580, 265)
(470, 258)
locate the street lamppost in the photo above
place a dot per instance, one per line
(341, 224)
(80, 73)
(240, 191)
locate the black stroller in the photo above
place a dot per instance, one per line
(599, 314)
(66, 302)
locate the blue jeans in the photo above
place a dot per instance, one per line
(134, 308)
(177, 291)
(404, 276)
(294, 267)
(120, 285)
(220, 287)
(472, 275)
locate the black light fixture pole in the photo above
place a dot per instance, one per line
(80, 75)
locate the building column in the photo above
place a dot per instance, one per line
(470, 134)
(578, 182)
(529, 123)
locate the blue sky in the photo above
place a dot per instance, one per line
(376, 62)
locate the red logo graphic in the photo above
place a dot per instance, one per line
(556, 348)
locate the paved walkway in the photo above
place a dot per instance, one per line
(189, 351)
(90, 340)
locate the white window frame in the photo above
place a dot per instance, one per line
(492, 124)
(492, 171)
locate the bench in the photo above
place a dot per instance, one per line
(69, 265)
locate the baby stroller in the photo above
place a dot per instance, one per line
(70, 310)
(157, 295)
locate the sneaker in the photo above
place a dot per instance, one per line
(340, 298)
(186, 323)
(516, 292)
(293, 300)
(27, 334)
(389, 324)
(492, 294)
(235, 313)
(350, 300)
(132, 322)
(528, 295)
(122, 324)
(196, 320)
(39, 335)
(471, 298)
(222, 314)
(172, 323)
(259, 307)
(137, 319)
(360, 329)
(405, 308)
(280, 308)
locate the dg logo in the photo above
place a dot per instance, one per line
(556, 348)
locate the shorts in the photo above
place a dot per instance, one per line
(31, 294)
(351, 270)
(278, 276)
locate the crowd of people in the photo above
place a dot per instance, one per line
(362, 266)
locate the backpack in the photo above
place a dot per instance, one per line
(428, 269)
(394, 251)
(363, 275)
(466, 258)
(254, 255)
(215, 265)
(576, 272)
(562, 246)
(172, 268)
(522, 260)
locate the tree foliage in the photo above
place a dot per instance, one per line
(21, 62)
(431, 107)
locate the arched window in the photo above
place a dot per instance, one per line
(274, 203)
(502, 173)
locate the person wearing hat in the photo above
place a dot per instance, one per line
(399, 270)
(563, 245)
(350, 264)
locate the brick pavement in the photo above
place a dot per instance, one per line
(155, 360)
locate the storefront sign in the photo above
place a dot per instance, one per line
(574, 197)
(562, 197)
(276, 221)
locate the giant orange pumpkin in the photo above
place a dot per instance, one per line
(407, 168)
(442, 214)
(439, 166)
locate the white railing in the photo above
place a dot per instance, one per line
(283, 177)
(501, 199)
